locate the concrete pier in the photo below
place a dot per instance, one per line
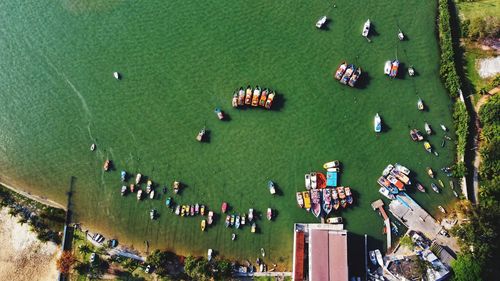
(379, 204)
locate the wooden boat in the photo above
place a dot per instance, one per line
(387, 67)
(347, 75)
(428, 146)
(241, 96)
(237, 221)
(334, 220)
(178, 210)
(420, 187)
(430, 172)
(234, 102)
(383, 182)
(254, 228)
(263, 97)
(400, 176)
(139, 194)
(224, 207)
(269, 213)
(200, 135)
(428, 129)
(327, 199)
(442, 209)
(132, 187)
(307, 200)
(228, 221)
(202, 210)
(197, 208)
(416, 135)
(420, 104)
(377, 123)
(411, 71)
(256, 96)
(203, 224)
(138, 179)
(354, 77)
(341, 70)
(270, 100)
(402, 169)
(331, 164)
(321, 22)
(434, 187)
(219, 113)
(366, 28)
(123, 191)
(307, 178)
(394, 69)
(270, 185)
(300, 199)
(92, 147)
(394, 181)
(106, 165)
(441, 183)
(443, 127)
(348, 195)
(335, 197)
(168, 202)
(384, 191)
(315, 202)
(320, 180)
(250, 214)
(210, 218)
(152, 194)
(314, 183)
(176, 186)
(248, 96)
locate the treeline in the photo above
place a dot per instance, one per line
(447, 68)
(461, 121)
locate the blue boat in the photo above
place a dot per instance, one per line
(123, 175)
(331, 179)
(377, 123)
(168, 202)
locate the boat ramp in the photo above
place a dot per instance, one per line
(379, 204)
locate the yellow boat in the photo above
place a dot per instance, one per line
(203, 224)
(307, 200)
(441, 183)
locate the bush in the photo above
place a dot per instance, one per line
(466, 268)
(447, 69)
(461, 122)
(459, 170)
(482, 28)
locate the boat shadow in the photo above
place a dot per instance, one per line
(279, 191)
(227, 117)
(402, 71)
(373, 30)
(279, 102)
(385, 128)
(207, 137)
(326, 25)
(364, 80)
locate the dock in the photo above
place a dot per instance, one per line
(379, 204)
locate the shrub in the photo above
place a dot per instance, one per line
(447, 69)
(461, 122)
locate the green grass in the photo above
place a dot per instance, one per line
(479, 9)
(180, 60)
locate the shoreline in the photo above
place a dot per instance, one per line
(39, 199)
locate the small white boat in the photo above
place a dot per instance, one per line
(334, 220)
(402, 169)
(442, 209)
(428, 129)
(116, 75)
(401, 36)
(366, 28)
(387, 170)
(443, 127)
(377, 123)
(378, 255)
(387, 67)
(411, 71)
(384, 191)
(250, 214)
(314, 183)
(92, 147)
(124, 190)
(331, 164)
(138, 178)
(233, 236)
(152, 194)
(262, 252)
(139, 194)
(209, 254)
(420, 104)
(307, 178)
(321, 22)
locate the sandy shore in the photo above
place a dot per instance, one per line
(22, 255)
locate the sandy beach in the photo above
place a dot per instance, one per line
(22, 255)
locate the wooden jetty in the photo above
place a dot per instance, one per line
(379, 204)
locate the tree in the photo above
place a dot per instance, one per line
(197, 268)
(467, 268)
(84, 249)
(65, 262)
(407, 242)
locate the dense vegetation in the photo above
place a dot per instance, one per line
(447, 69)
(461, 121)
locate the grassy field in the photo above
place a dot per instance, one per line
(179, 61)
(479, 9)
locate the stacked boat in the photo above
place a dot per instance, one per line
(253, 97)
(348, 74)
(394, 179)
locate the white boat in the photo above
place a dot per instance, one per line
(378, 255)
(331, 164)
(124, 190)
(138, 178)
(401, 36)
(262, 252)
(373, 258)
(314, 183)
(377, 123)
(92, 147)
(116, 75)
(250, 214)
(420, 104)
(443, 127)
(209, 254)
(387, 170)
(384, 191)
(321, 22)
(402, 169)
(411, 71)
(152, 194)
(366, 28)
(334, 220)
(442, 209)
(139, 194)
(387, 67)
(307, 178)
(428, 129)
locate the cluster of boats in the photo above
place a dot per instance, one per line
(417, 136)
(394, 179)
(253, 97)
(391, 68)
(237, 220)
(150, 192)
(347, 74)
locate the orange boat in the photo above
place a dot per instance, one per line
(320, 180)
(107, 163)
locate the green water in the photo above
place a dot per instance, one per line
(179, 60)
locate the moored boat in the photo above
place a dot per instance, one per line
(331, 164)
(237, 221)
(443, 127)
(420, 187)
(253, 229)
(320, 180)
(256, 96)
(117, 75)
(234, 102)
(341, 70)
(442, 209)
(411, 71)
(191, 210)
(334, 220)
(92, 147)
(202, 210)
(263, 97)
(378, 255)
(241, 96)
(377, 123)
(366, 28)
(200, 135)
(354, 78)
(197, 208)
(420, 104)
(203, 224)
(387, 67)
(270, 185)
(233, 236)
(138, 179)
(394, 181)
(331, 177)
(401, 36)
(384, 191)
(428, 146)
(209, 255)
(168, 202)
(152, 194)
(307, 200)
(347, 75)
(210, 217)
(441, 183)
(335, 197)
(269, 213)
(434, 187)
(106, 165)
(300, 199)
(315, 202)
(248, 96)
(307, 178)
(387, 170)
(219, 113)
(402, 169)
(455, 193)
(270, 100)
(427, 128)
(341, 192)
(123, 191)
(250, 214)
(123, 175)
(314, 183)
(132, 187)
(394, 69)
(152, 214)
(430, 172)
(243, 219)
(178, 210)
(139, 194)
(383, 182)
(416, 135)
(233, 219)
(224, 207)
(400, 176)
(373, 258)
(348, 195)
(321, 22)
(327, 199)
(227, 221)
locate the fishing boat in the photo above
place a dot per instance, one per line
(428, 146)
(394, 181)
(253, 228)
(307, 178)
(383, 182)
(270, 100)
(320, 180)
(335, 197)
(200, 135)
(377, 123)
(210, 217)
(441, 183)
(178, 210)
(402, 169)
(314, 183)
(400, 176)
(387, 170)
(243, 219)
(401, 36)
(430, 172)
(197, 208)
(269, 213)
(315, 202)
(234, 102)
(420, 104)
(176, 186)
(411, 70)
(250, 214)
(202, 210)
(300, 199)
(237, 221)
(248, 96)
(233, 219)
(434, 187)
(132, 187)
(203, 224)
(139, 194)
(138, 179)
(428, 129)
(209, 255)
(168, 202)
(307, 200)
(373, 257)
(384, 191)
(394, 69)
(123, 190)
(241, 96)
(321, 22)
(331, 164)
(263, 97)
(152, 214)
(341, 70)
(442, 209)
(152, 194)
(224, 207)
(354, 78)
(443, 127)
(327, 200)
(270, 185)
(420, 187)
(348, 195)
(347, 75)
(219, 113)
(106, 165)
(416, 135)
(256, 96)
(192, 210)
(117, 75)
(233, 236)
(92, 147)
(228, 221)
(366, 28)
(387, 67)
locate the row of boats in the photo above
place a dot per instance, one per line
(253, 97)
(325, 200)
(347, 74)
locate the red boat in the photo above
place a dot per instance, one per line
(224, 207)
(320, 180)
